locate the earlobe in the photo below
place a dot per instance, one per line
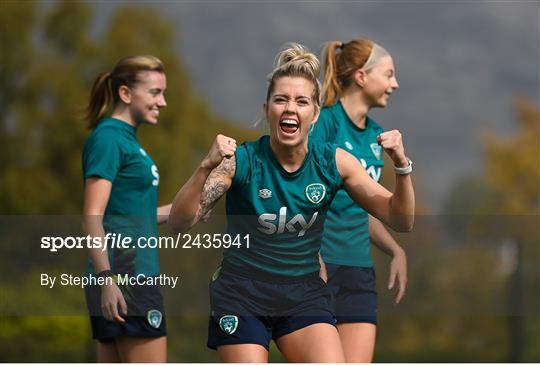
(317, 114)
(265, 110)
(360, 78)
(125, 94)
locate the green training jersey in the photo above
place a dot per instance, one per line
(346, 234)
(112, 152)
(283, 212)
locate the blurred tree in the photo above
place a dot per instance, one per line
(513, 164)
(16, 54)
(48, 62)
(457, 308)
(50, 328)
(513, 172)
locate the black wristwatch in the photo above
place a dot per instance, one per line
(105, 274)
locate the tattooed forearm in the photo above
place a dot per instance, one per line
(213, 190)
(216, 185)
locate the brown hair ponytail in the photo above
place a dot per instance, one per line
(330, 87)
(104, 93)
(101, 99)
(339, 67)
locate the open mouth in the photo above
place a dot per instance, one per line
(288, 126)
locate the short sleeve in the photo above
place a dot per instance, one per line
(241, 174)
(331, 152)
(325, 157)
(102, 156)
(323, 130)
(378, 130)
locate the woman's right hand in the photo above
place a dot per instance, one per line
(111, 299)
(223, 147)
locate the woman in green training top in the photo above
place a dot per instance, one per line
(359, 75)
(120, 196)
(278, 190)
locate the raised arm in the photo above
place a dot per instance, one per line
(208, 183)
(394, 209)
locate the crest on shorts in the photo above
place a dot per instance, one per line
(154, 318)
(376, 149)
(228, 324)
(315, 192)
(265, 193)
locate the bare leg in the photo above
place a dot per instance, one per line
(107, 352)
(358, 341)
(243, 353)
(141, 349)
(316, 343)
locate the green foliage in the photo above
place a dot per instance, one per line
(487, 214)
(513, 164)
(38, 326)
(45, 88)
(49, 60)
(52, 339)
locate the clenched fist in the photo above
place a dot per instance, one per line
(223, 147)
(392, 143)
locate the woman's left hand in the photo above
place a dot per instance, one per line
(392, 143)
(398, 272)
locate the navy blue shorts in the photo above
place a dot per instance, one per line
(145, 317)
(248, 310)
(354, 293)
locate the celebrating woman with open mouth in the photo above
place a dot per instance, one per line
(278, 190)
